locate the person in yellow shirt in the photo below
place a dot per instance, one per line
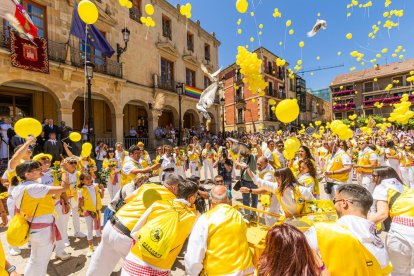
(180, 160)
(407, 165)
(308, 178)
(271, 155)
(353, 236)
(145, 157)
(208, 159)
(395, 200)
(194, 157)
(218, 243)
(367, 161)
(138, 258)
(90, 203)
(116, 236)
(113, 166)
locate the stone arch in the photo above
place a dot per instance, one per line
(210, 125)
(29, 98)
(169, 115)
(191, 119)
(136, 113)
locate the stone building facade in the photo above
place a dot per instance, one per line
(124, 92)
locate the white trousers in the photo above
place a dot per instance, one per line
(60, 245)
(180, 171)
(407, 174)
(89, 225)
(40, 253)
(75, 217)
(113, 189)
(195, 171)
(208, 167)
(400, 247)
(113, 247)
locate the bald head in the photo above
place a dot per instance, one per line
(219, 194)
(262, 163)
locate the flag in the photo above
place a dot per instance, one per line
(95, 38)
(12, 11)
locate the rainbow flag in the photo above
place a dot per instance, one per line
(192, 92)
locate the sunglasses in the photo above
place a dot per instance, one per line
(44, 158)
(73, 163)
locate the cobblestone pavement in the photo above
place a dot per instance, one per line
(78, 263)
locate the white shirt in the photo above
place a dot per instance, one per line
(372, 157)
(364, 231)
(168, 162)
(268, 174)
(381, 190)
(268, 154)
(197, 247)
(288, 198)
(100, 154)
(130, 165)
(35, 190)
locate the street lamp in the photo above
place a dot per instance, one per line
(179, 88)
(120, 50)
(89, 75)
(222, 103)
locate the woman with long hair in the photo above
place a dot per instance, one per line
(308, 177)
(395, 200)
(287, 253)
(303, 153)
(290, 195)
(407, 164)
(113, 166)
(34, 200)
(393, 156)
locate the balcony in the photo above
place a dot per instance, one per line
(57, 53)
(166, 83)
(344, 107)
(343, 93)
(238, 77)
(102, 64)
(281, 94)
(135, 14)
(386, 101)
(240, 120)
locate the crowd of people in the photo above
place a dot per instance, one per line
(369, 181)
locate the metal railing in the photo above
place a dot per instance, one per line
(166, 83)
(240, 120)
(133, 141)
(57, 51)
(102, 65)
(4, 38)
(108, 141)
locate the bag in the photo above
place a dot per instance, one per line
(157, 236)
(121, 202)
(237, 186)
(18, 232)
(19, 228)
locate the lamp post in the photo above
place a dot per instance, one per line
(180, 91)
(120, 50)
(89, 75)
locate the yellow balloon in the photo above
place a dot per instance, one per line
(143, 19)
(261, 26)
(291, 31)
(288, 23)
(87, 146)
(28, 126)
(239, 31)
(348, 36)
(272, 102)
(149, 9)
(241, 6)
(85, 153)
(75, 137)
(301, 44)
(88, 12)
(287, 110)
(129, 5)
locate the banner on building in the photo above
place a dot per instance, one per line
(192, 92)
(29, 55)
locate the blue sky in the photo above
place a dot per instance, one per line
(221, 17)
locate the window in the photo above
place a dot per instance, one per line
(368, 86)
(270, 67)
(207, 52)
(166, 27)
(336, 89)
(282, 93)
(272, 115)
(270, 89)
(190, 42)
(338, 115)
(369, 112)
(167, 71)
(92, 54)
(281, 73)
(349, 87)
(239, 94)
(190, 77)
(38, 15)
(368, 98)
(240, 115)
(135, 12)
(207, 82)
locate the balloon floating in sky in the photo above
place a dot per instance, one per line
(149, 9)
(186, 10)
(287, 110)
(301, 44)
(242, 6)
(277, 13)
(88, 12)
(348, 36)
(288, 23)
(320, 24)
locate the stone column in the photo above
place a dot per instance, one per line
(152, 125)
(65, 114)
(119, 127)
